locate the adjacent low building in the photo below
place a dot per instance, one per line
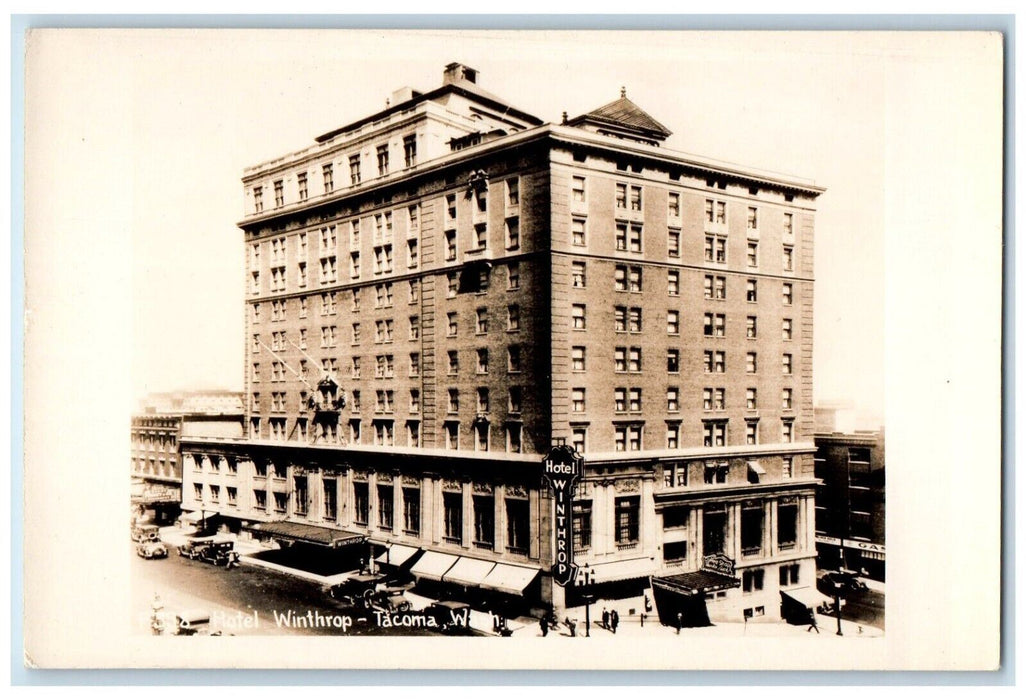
(439, 293)
(850, 502)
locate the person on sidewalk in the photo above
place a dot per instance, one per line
(605, 618)
(544, 624)
(813, 625)
(614, 620)
(680, 622)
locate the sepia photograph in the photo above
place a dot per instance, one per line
(562, 338)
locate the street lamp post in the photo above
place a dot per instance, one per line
(837, 607)
(588, 574)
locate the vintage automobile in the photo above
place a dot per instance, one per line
(191, 623)
(388, 599)
(151, 549)
(219, 553)
(194, 547)
(358, 589)
(145, 532)
(844, 582)
(452, 617)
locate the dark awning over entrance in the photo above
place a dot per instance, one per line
(310, 534)
(694, 582)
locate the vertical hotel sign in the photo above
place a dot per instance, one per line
(562, 468)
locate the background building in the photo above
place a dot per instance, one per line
(163, 420)
(441, 291)
(850, 501)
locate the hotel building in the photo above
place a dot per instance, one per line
(440, 292)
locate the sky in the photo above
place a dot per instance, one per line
(153, 130)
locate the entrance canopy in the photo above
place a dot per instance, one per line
(694, 582)
(806, 596)
(397, 555)
(468, 571)
(638, 567)
(309, 534)
(509, 578)
(433, 565)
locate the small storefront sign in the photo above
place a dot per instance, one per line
(562, 468)
(156, 493)
(718, 564)
(852, 544)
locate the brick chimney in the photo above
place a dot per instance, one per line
(455, 72)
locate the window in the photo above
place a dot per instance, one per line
(673, 283)
(579, 438)
(751, 363)
(750, 327)
(382, 152)
(577, 193)
(582, 525)
(279, 193)
(450, 211)
(673, 322)
(414, 364)
(409, 150)
(383, 295)
(514, 399)
(627, 520)
(578, 271)
(787, 328)
(411, 511)
(716, 249)
(512, 233)
(513, 317)
(354, 431)
(628, 237)
(787, 399)
(787, 467)
(453, 362)
(635, 198)
(620, 399)
(788, 225)
(451, 326)
(621, 195)
(787, 431)
(513, 357)
(414, 327)
(788, 259)
(675, 474)
(714, 399)
(751, 399)
(715, 325)
(673, 399)
(261, 499)
(482, 361)
(452, 435)
(752, 254)
(329, 270)
(577, 400)
(513, 437)
(254, 283)
(753, 219)
(301, 184)
(302, 494)
(329, 177)
(714, 433)
(673, 243)
(577, 359)
(673, 205)
(752, 516)
(329, 336)
(452, 504)
(513, 192)
(752, 580)
(450, 246)
(788, 294)
(577, 314)
(454, 401)
(715, 287)
(354, 368)
(627, 437)
(788, 363)
(578, 232)
(673, 360)
(751, 432)
(787, 531)
(356, 300)
(258, 199)
(414, 291)
(361, 503)
(715, 211)
(480, 236)
(517, 525)
(513, 275)
(715, 361)
(302, 275)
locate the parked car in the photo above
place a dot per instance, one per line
(358, 589)
(451, 616)
(145, 532)
(192, 623)
(844, 582)
(220, 554)
(388, 600)
(194, 547)
(152, 549)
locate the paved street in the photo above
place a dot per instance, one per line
(866, 607)
(246, 600)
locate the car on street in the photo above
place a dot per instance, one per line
(193, 547)
(357, 589)
(452, 617)
(152, 549)
(841, 582)
(220, 554)
(145, 532)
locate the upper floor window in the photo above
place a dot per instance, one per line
(382, 152)
(715, 211)
(673, 205)
(410, 150)
(753, 219)
(302, 186)
(258, 199)
(279, 193)
(354, 169)
(328, 171)
(577, 193)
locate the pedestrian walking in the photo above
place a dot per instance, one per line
(572, 626)
(614, 620)
(813, 625)
(605, 618)
(544, 626)
(680, 622)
